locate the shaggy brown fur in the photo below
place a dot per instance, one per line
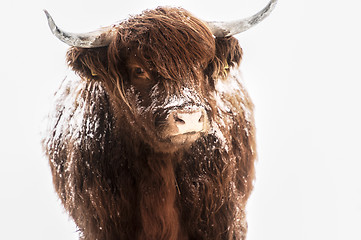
(115, 174)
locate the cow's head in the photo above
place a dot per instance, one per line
(160, 67)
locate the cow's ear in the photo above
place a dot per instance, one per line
(228, 54)
(89, 63)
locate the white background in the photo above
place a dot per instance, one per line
(301, 67)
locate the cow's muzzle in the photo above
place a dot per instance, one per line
(186, 125)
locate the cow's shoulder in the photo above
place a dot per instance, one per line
(81, 121)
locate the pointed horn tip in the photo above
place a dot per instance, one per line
(48, 16)
(273, 3)
(51, 22)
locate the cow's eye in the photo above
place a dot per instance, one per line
(139, 71)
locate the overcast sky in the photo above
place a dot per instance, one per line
(301, 67)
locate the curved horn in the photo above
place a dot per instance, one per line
(226, 29)
(98, 38)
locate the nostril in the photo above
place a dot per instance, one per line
(201, 119)
(178, 120)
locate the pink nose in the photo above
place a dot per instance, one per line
(189, 121)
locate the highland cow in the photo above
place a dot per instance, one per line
(155, 138)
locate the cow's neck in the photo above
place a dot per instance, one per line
(157, 194)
